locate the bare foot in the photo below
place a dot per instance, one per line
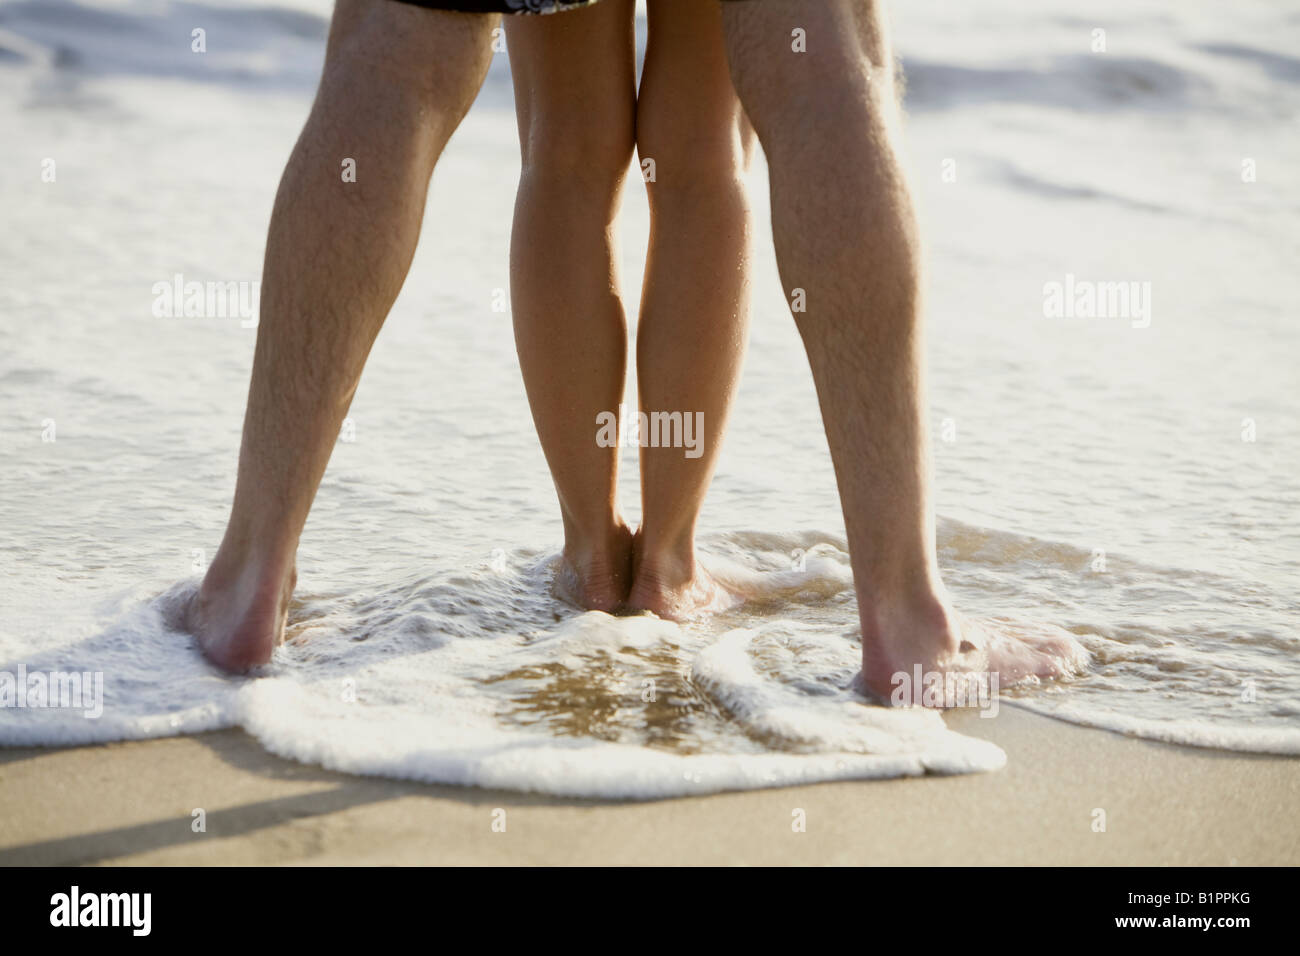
(239, 618)
(597, 578)
(675, 589)
(937, 641)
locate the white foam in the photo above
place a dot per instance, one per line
(429, 708)
(293, 723)
(1189, 733)
(436, 681)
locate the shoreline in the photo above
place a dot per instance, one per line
(134, 803)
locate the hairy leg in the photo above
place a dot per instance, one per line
(845, 233)
(695, 301)
(397, 81)
(575, 93)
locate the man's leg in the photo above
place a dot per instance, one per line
(575, 93)
(845, 233)
(695, 298)
(397, 81)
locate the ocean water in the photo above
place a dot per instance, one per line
(1131, 478)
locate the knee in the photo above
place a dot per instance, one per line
(685, 157)
(575, 153)
(433, 60)
(835, 79)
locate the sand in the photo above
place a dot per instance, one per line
(133, 803)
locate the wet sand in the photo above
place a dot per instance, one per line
(134, 803)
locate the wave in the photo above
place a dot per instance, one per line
(1278, 66)
(1025, 181)
(262, 45)
(1076, 82)
(481, 678)
(594, 707)
(278, 45)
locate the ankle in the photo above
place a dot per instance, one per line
(921, 619)
(252, 570)
(607, 548)
(665, 564)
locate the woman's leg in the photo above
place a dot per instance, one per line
(695, 301)
(575, 92)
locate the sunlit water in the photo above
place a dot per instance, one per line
(1133, 482)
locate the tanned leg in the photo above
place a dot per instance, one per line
(845, 233)
(397, 81)
(694, 318)
(575, 94)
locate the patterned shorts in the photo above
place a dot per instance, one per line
(502, 6)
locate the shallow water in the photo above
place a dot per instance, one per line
(1134, 483)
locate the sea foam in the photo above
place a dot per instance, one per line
(594, 706)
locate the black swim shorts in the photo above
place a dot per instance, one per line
(502, 6)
